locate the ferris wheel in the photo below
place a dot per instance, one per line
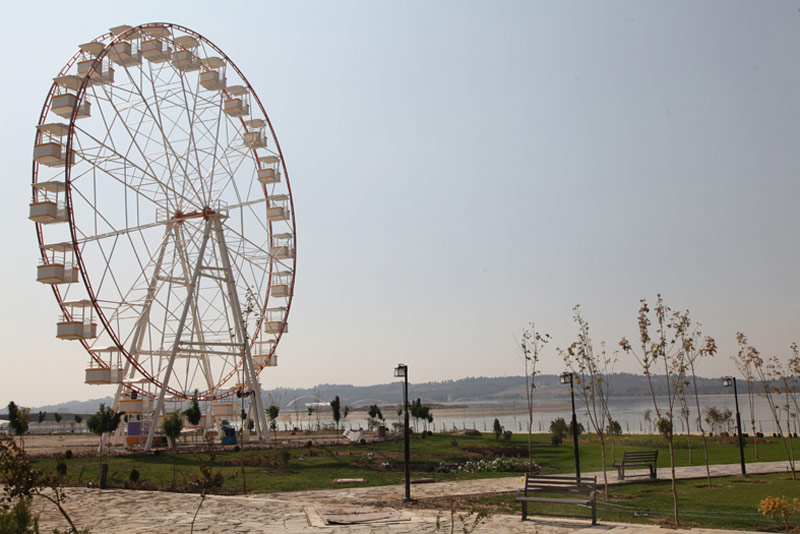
(165, 222)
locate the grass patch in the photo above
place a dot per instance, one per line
(729, 504)
(273, 470)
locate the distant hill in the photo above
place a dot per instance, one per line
(475, 390)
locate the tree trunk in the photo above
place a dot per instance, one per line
(674, 483)
(603, 460)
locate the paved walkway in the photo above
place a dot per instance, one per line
(139, 512)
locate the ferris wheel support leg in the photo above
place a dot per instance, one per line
(241, 330)
(189, 297)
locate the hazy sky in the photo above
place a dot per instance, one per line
(462, 168)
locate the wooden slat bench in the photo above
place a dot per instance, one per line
(637, 459)
(542, 488)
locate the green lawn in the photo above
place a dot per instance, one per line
(270, 470)
(732, 503)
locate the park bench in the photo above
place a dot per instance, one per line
(637, 459)
(559, 489)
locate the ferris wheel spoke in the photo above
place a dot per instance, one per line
(158, 119)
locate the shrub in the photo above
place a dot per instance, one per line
(759, 434)
(68, 454)
(614, 428)
(61, 468)
(19, 518)
(558, 429)
(309, 444)
(497, 428)
(134, 476)
(454, 442)
(283, 458)
(780, 509)
(507, 435)
(236, 448)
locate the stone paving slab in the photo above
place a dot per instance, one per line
(139, 512)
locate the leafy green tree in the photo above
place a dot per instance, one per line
(272, 414)
(345, 413)
(614, 428)
(558, 431)
(498, 430)
(57, 417)
(172, 426)
(40, 417)
(581, 429)
(336, 406)
(193, 413)
(18, 420)
(78, 419)
(375, 416)
(101, 422)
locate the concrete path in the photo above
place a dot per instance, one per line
(139, 512)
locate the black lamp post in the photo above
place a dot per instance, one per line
(401, 371)
(727, 382)
(566, 378)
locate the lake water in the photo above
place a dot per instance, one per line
(630, 412)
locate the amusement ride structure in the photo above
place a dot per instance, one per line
(166, 225)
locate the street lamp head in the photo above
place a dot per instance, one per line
(727, 381)
(401, 370)
(566, 378)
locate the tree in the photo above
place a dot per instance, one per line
(57, 417)
(695, 347)
(40, 417)
(345, 413)
(78, 419)
(310, 412)
(662, 347)
(18, 420)
(19, 480)
(272, 414)
(531, 344)
(336, 406)
(590, 375)
(171, 426)
(193, 413)
(498, 430)
(747, 359)
(375, 416)
(558, 431)
(770, 373)
(104, 420)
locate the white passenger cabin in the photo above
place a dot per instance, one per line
(281, 284)
(46, 207)
(255, 137)
(64, 103)
(213, 79)
(282, 246)
(269, 173)
(103, 74)
(275, 321)
(56, 266)
(77, 322)
(156, 51)
(278, 208)
(110, 371)
(238, 103)
(125, 54)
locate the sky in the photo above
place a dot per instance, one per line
(460, 169)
